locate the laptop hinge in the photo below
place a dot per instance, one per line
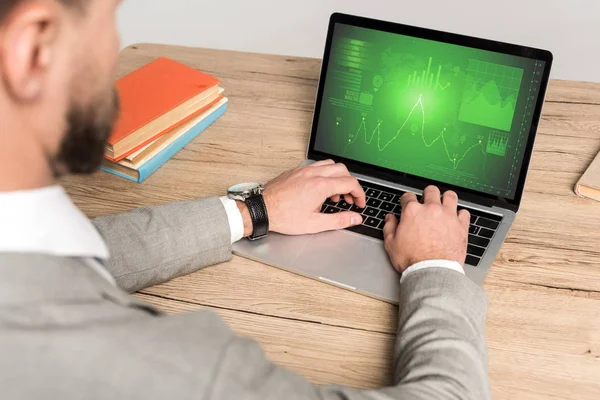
(476, 199)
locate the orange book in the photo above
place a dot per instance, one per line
(155, 99)
(139, 157)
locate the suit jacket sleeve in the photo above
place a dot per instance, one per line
(152, 245)
(440, 351)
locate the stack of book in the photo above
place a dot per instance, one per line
(164, 106)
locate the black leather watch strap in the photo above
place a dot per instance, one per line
(260, 220)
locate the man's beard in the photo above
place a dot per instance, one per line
(88, 131)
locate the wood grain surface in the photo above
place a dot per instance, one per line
(543, 329)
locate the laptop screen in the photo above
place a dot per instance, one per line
(448, 113)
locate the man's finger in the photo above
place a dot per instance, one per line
(336, 198)
(389, 229)
(407, 198)
(331, 222)
(348, 198)
(321, 163)
(347, 185)
(431, 195)
(465, 217)
(450, 200)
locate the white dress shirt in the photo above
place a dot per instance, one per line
(45, 221)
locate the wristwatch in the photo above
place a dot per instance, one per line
(252, 194)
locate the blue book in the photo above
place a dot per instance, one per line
(149, 167)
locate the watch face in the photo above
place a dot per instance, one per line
(244, 190)
(244, 187)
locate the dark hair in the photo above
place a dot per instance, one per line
(7, 5)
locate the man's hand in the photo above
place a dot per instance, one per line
(429, 231)
(294, 199)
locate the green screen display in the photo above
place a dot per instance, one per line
(444, 112)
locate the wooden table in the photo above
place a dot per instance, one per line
(543, 329)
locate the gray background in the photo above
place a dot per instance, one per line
(569, 28)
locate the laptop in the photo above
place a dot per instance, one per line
(403, 108)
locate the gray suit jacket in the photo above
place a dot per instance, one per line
(67, 333)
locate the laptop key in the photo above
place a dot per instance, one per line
(475, 251)
(387, 206)
(330, 202)
(479, 241)
(386, 196)
(373, 202)
(381, 224)
(370, 212)
(367, 231)
(357, 209)
(472, 260)
(343, 205)
(487, 223)
(323, 207)
(370, 221)
(397, 209)
(487, 233)
(485, 215)
(372, 193)
(473, 218)
(396, 199)
(382, 214)
(474, 230)
(331, 210)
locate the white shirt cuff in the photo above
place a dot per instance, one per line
(234, 216)
(453, 265)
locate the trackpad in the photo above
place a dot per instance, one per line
(277, 250)
(351, 261)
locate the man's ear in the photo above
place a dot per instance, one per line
(28, 39)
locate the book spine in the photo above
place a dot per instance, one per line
(158, 160)
(112, 171)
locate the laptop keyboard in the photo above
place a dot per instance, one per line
(383, 200)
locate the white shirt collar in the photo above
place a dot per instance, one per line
(45, 221)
